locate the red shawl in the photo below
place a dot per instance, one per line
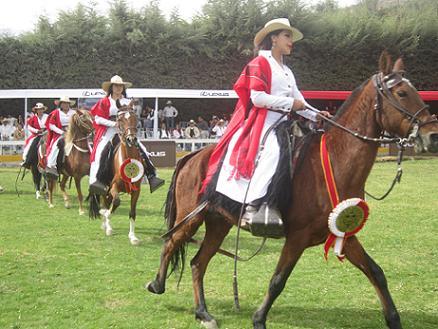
(101, 109)
(52, 136)
(255, 76)
(34, 123)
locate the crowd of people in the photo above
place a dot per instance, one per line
(12, 129)
(171, 128)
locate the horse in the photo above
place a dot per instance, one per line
(77, 157)
(126, 149)
(34, 157)
(386, 102)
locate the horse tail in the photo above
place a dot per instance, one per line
(179, 257)
(93, 205)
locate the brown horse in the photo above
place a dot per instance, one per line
(386, 102)
(127, 149)
(77, 157)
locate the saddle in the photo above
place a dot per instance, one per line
(267, 222)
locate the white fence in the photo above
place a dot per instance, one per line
(189, 145)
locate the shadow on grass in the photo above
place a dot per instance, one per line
(317, 318)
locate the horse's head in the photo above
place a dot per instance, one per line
(83, 120)
(127, 122)
(80, 126)
(400, 110)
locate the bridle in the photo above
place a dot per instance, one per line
(383, 86)
(127, 131)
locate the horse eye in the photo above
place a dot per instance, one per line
(402, 93)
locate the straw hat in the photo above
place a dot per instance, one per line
(116, 80)
(39, 106)
(192, 121)
(65, 99)
(275, 25)
(169, 103)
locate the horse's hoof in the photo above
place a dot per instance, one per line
(81, 212)
(37, 195)
(67, 206)
(134, 241)
(109, 231)
(212, 324)
(154, 287)
(51, 206)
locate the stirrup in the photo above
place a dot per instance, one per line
(52, 172)
(155, 183)
(98, 188)
(263, 222)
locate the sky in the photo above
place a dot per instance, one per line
(17, 16)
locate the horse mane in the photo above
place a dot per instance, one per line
(354, 95)
(72, 130)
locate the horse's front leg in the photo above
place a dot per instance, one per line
(132, 215)
(36, 175)
(50, 188)
(358, 257)
(216, 229)
(291, 252)
(112, 201)
(62, 185)
(80, 196)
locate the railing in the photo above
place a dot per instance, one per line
(182, 144)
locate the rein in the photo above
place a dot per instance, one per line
(383, 87)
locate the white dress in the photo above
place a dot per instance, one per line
(283, 92)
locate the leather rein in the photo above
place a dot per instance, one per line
(383, 86)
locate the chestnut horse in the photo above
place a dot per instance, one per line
(127, 148)
(77, 157)
(378, 105)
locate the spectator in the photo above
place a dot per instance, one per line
(19, 133)
(6, 130)
(170, 113)
(137, 107)
(214, 120)
(163, 133)
(219, 129)
(149, 121)
(160, 117)
(203, 127)
(177, 132)
(192, 131)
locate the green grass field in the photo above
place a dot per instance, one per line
(58, 269)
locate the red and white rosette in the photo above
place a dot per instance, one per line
(131, 170)
(345, 220)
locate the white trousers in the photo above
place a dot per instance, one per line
(27, 148)
(53, 155)
(236, 189)
(95, 165)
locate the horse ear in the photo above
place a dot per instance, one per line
(385, 63)
(399, 65)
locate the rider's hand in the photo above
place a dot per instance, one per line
(320, 121)
(298, 105)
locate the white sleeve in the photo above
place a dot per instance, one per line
(32, 129)
(56, 129)
(271, 102)
(104, 122)
(304, 113)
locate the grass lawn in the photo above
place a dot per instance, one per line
(58, 269)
